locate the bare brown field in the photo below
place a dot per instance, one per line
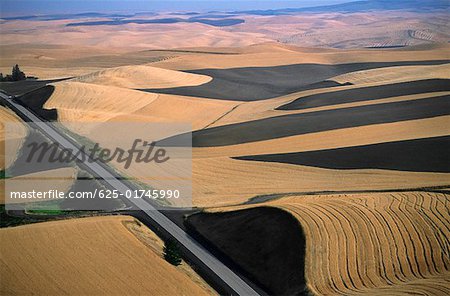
(56, 50)
(79, 60)
(338, 30)
(362, 29)
(380, 241)
(373, 244)
(55, 61)
(247, 111)
(101, 256)
(76, 100)
(212, 165)
(155, 36)
(364, 135)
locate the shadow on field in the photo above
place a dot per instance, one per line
(419, 155)
(368, 93)
(265, 244)
(35, 101)
(25, 86)
(258, 83)
(29, 162)
(312, 122)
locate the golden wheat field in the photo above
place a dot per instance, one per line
(395, 74)
(61, 179)
(333, 29)
(13, 137)
(95, 256)
(86, 102)
(339, 119)
(88, 98)
(275, 54)
(373, 243)
(141, 77)
(360, 243)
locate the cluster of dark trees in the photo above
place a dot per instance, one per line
(172, 252)
(16, 75)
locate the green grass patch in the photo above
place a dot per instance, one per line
(45, 208)
(9, 221)
(3, 174)
(46, 212)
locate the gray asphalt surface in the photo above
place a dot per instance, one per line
(234, 282)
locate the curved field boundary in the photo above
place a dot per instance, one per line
(298, 124)
(392, 243)
(89, 256)
(418, 155)
(368, 93)
(259, 83)
(142, 76)
(264, 244)
(395, 74)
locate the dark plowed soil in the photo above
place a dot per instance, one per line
(420, 155)
(265, 244)
(258, 83)
(298, 124)
(368, 93)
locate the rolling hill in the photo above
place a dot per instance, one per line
(101, 255)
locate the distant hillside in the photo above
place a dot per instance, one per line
(211, 22)
(54, 17)
(358, 6)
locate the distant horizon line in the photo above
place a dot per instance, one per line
(14, 8)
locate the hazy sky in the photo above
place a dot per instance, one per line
(26, 7)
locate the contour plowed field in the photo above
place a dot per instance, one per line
(379, 243)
